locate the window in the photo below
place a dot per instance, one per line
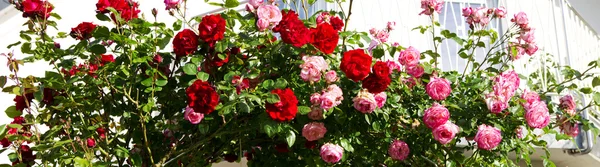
(4, 4)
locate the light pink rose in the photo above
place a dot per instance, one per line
(316, 114)
(438, 88)
(331, 76)
(336, 91)
(314, 131)
(500, 12)
(529, 97)
(466, 12)
(192, 116)
(315, 99)
(262, 24)
(382, 36)
(537, 115)
(415, 70)
(398, 150)
(445, 133)
(410, 56)
(430, 6)
(519, 132)
(380, 98)
(506, 84)
(171, 4)
(569, 128)
(488, 137)
(495, 104)
(393, 65)
(435, 116)
(567, 103)
(270, 13)
(373, 31)
(328, 100)
(391, 25)
(528, 36)
(331, 153)
(521, 19)
(531, 49)
(312, 67)
(480, 14)
(365, 102)
(255, 3)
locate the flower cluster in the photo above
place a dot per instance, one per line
(335, 21)
(430, 6)
(380, 36)
(526, 41)
(328, 98)
(36, 9)
(127, 9)
(482, 15)
(505, 86)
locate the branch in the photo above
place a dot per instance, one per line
(346, 22)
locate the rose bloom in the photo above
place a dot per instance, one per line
(506, 84)
(382, 35)
(398, 150)
(364, 102)
(356, 64)
(286, 108)
(415, 70)
(380, 98)
(21, 103)
(410, 56)
(531, 49)
(185, 43)
(381, 69)
(445, 133)
(172, 4)
(537, 115)
(212, 28)
(488, 137)
(325, 38)
(328, 100)
(256, 3)
(91, 143)
(466, 12)
(376, 84)
(495, 104)
(83, 31)
(528, 36)
(314, 131)
(316, 114)
(193, 117)
(315, 99)
(337, 23)
(570, 128)
(202, 97)
(331, 153)
(435, 116)
(36, 9)
(529, 97)
(521, 19)
(567, 103)
(331, 76)
(391, 25)
(128, 9)
(292, 29)
(312, 68)
(262, 24)
(429, 6)
(323, 17)
(438, 88)
(269, 13)
(500, 12)
(393, 66)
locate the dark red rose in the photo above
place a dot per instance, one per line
(376, 84)
(324, 38)
(157, 59)
(83, 31)
(128, 9)
(106, 58)
(337, 23)
(292, 29)
(230, 157)
(381, 69)
(310, 144)
(356, 64)
(36, 9)
(202, 97)
(240, 84)
(92, 68)
(20, 102)
(5, 142)
(102, 5)
(91, 143)
(286, 108)
(101, 132)
(26, 154)
(282, 148)
(217, 61)
(18, 120)
(185, 43)
(212, 29)
(49, 95)
(249, 155)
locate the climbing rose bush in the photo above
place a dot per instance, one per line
(275, 88)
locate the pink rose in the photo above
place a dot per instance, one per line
(506, 84)
(466, 12)
(488, 137)
(435, 116)
(495, 104)
(91, 143)
(328, 100)
(567, 103)
(480, 15)
(312, 67)
(331, 153)
(445, 133)
(262, 24)
(537, 115)
(314, 131)
(569, 128)
(521, 19)
(382, 36)
(192, 116)
(519, 132)
(391, 25)
(531, 49)
(336, 91)
(365, 102)
(410, 56)
(415, 70)
(398, 150)
(172, 4)
(393, 65)
(315, 99)
(395, 44)
(331, 76)
(255, 3)
(316, 114)
(529, 97)
(528, 36)
(438, 88)
(500, 12)
(380, 98)
(430, 6)
(323, 17)
(270, 13)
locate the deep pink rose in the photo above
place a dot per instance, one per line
(495, 104)
(331, 76)
(410, 56)
(430, 6)
(315, 99)
(466, 12)
(312, 68)
(172, 4)
(488, 137)
(314, 131)
(91, 143)
(438, 88)
(328, 100)
(382, 36)
(380, 98)
(415, 70)
(445, 133)
(435, 116)
(506, 84)
(531, 49)
(500, 12)
(398, 150)
(316, 114)
(193, 117)
(391, 25)
(331, 153)
(529, 97)
(567, 103)
(537, 115)
(364, 102)
(393, 65)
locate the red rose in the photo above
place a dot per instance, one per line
(202, 97)
(356, 64)
(212, 29)
(36, 9)
(102, 5)
(324, 38)
(376, 84)
(91, 143)
(128, 9)
(337, 23)
(230, 157)
(101, 132)
(49, 95)
(286, 108)
(83, 30)
(26, 154)
(381, 69)
(20, 103)
(282, 148)
(185, 43)
(217, 61)
(5, 142)
(106, 58)
(292, 29)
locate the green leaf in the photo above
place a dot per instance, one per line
(190, 69)
(586, 90)
(80, 162)
(346, 144)
(596, 82)
(202, 76)
(12, 112)
(177, 25)
(231, 3)
(2, 131)
(273, 98)
(597, 97)
(101, 32)
(243, 107)
(2, 81)
(161, 82)
(98, 49)
(290, 138)
(281, 83)
(303, 110)
(268, 84)
(147, 82)
(16, 90)
(17, 126)
(102, 17)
